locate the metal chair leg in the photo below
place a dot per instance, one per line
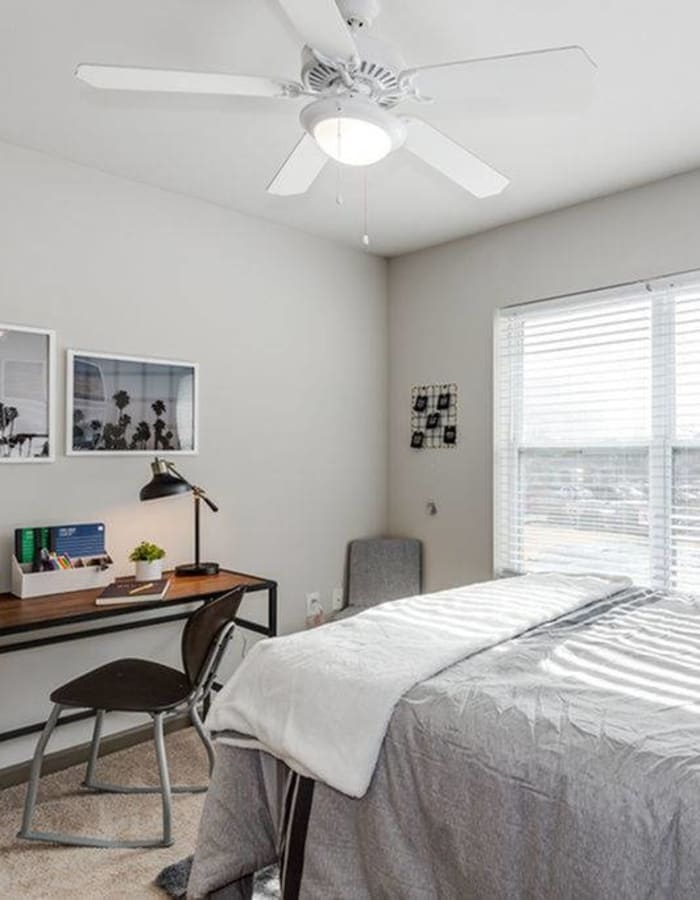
(164, 778)
(77, 840)
(104, 787)
(35, 773)
(94, 748)
(201, 731)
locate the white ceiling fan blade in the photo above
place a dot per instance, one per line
(299, 170)
(453, 160)
(132, 78)
(559, 74)
(321, 26)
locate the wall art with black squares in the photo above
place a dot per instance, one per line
(433, 416)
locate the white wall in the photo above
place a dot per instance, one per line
(441, 307)
(291, 335)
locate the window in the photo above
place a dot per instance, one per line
(597, 434)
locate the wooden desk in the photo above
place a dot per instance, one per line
(18, 618)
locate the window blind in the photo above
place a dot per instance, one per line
(597, 434)
(684, 525)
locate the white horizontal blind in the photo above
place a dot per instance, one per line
(597, 434)
(684, 562)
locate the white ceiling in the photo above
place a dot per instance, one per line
(642, 125)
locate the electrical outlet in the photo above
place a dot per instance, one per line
(337, 599)
(310, 599)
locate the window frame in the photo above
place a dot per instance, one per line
(663, 443)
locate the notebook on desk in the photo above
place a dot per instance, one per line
(128, 590)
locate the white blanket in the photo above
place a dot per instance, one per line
(321, 700)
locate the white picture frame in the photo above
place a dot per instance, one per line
(28, 390)
(95, 424)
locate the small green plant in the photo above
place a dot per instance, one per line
(146, 552)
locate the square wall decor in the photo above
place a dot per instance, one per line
(123, 405)
(27, 401)
(433, 416)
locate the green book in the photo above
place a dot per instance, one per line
(28, 543)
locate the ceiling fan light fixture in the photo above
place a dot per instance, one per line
(353, 142)
(353, 131)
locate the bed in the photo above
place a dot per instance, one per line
(561, 763)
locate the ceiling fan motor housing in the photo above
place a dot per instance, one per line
(374, 74)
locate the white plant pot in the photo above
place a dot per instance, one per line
(149, 571)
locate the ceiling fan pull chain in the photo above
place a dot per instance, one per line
(338, 185)
(338, 190)
(339, 135)
(365, 236)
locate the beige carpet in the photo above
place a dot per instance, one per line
(36, 870)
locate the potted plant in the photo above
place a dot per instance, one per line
(149, 561)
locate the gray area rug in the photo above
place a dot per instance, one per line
(173, 880)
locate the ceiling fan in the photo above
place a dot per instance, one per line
(354, 84)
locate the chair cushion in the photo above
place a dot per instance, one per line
(129, 685)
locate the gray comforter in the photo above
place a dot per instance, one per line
(561, 764)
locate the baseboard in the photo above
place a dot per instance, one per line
(73, 756)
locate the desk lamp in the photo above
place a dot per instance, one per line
(167, 482)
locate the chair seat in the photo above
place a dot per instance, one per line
(128, 685)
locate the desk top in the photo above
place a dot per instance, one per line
(78, 606)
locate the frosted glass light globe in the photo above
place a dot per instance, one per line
(353, 131)
(354, 142)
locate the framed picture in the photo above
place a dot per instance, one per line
(127, 405)
(27, 395)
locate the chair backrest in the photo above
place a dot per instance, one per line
(203, 629)
(380, 569)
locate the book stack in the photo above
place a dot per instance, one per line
(60, 547)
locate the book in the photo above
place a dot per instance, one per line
(128, 590)
(29, 542)
(78, 540)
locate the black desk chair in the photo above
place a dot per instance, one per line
(138, 685)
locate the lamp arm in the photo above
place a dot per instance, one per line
(197, 491)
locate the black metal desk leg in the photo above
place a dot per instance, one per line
(272, 610)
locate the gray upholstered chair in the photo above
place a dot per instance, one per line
(380, 569)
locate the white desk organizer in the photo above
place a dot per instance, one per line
(26, 584)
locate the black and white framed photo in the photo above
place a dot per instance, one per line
(27, 394)
(119, 405)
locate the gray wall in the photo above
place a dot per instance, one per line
(291, 335)
(441, 308)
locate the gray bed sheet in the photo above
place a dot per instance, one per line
(562, 764)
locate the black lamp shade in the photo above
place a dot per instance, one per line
(168, 482)
(163, 484)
